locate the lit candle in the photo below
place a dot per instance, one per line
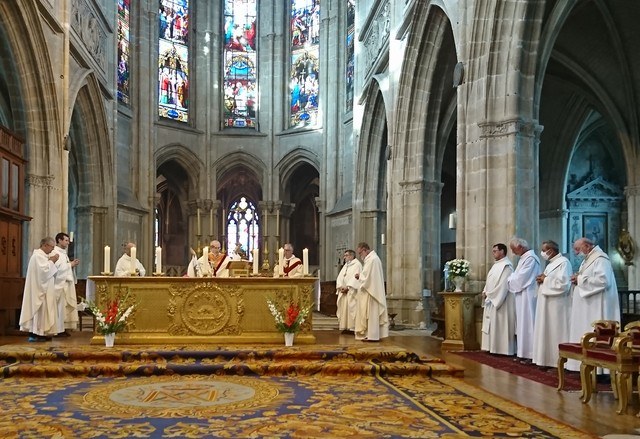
(198, 221)
(107, 258)
(205, 252)
(281, 261)
(133, 260)
(305, 261)
(254, 252)
(211, 222)
(382, 240)
(70, 236)
(277, 222)
(158, 259)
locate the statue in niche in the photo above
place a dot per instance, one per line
(626, 247)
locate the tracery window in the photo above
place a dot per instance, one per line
(123, 51)
(240, 80)
(350, 58)
(173, 60)
(242, 227)
(305, 62)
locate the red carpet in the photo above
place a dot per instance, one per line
(529, 371)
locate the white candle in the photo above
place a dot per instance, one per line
(107, 258)
(158, 259)
(254, 252)
(277, 222)
(133, 260)
(70, 236)
(205, 252)
(305, 261)
(198, 221)
(452, 220)
(382, 241)
(281, 260)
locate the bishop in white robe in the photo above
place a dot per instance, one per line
(372, 321)
(346, 289)
(551, 325)
(522, 283)
(499, 315)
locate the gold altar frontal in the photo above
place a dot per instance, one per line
(181, 310)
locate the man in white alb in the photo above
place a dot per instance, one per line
(499, 316)
(292, 265)
(372, 321)
(346, 289)
(522, 283)
(551, 326)
(128, 267)
(65, 287)
(214, 264)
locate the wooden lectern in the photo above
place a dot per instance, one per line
(239, 268)
(459, 321)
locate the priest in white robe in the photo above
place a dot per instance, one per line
(65, 286)
(214, 263)
(292, 266)
(522, 283)
(551, 325)
(372, 321)
(129, 265)
(38, 313)
(595, 292)
(346, 289)
(499, 315)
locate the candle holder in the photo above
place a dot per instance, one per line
(158, 274)
(106, 273)
(265, 256)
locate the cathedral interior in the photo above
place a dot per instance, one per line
(430, 129)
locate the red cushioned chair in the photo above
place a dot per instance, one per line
(603, 335)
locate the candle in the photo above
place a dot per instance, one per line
(205, 252)
(382, 241)
(211, 222)
(198, 221)
(281, 260)
(70, 236)
(452, 220)
(277, 222)
(107, 258)
(158, 259)
(133, 260)
(305, 261)
(254, 252)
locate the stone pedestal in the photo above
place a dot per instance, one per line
(459, 317)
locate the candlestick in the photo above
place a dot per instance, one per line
(281, 261)
(278, 222)
(198, 221)
(305, 261)
(133, 260)
(158, 259)
(70, 236)
(265, 231)
(211, 222)
(107, 259)
(254, 252)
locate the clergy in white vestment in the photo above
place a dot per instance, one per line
(595, 292)
(522, 283)
(346, 289)
(372, 321)
(499, 315)
(551, 326)
(38, 313)
(214, 264)
(65, 286)
(125, 264)
(291, 266)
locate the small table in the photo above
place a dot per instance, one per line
(459, 321)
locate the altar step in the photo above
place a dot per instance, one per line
(322, 322)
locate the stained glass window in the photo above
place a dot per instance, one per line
(242, 228)
(350, 60)
(305, 64)
(123, 51)
(240, 84)
(173, 60)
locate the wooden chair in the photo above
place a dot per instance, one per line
(622, 359)
(603, 334)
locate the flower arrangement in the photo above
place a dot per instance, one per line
(457, 268)
(113, 318)
(290, 319)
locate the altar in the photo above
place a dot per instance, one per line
(181, 310)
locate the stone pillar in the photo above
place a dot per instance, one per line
(633, 208)
(95, 230)
(459, 319)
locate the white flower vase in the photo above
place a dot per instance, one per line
(109, 339)
(458, 283)
(288, 338)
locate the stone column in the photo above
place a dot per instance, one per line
(633, 208)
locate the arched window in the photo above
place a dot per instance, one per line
(305, 62)
(173, 60)
(123, 51)
(240, 83)
(242, 228)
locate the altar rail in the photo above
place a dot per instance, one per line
(173, 310)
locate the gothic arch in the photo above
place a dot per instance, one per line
(241, 160)
(189, 161)
(290, 162)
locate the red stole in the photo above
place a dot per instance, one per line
(288, 267)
